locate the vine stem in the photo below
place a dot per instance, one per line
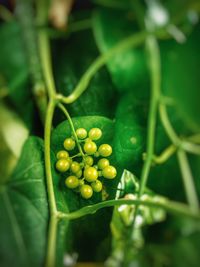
(64, 110)
(188, 180)
(187, 177)
(132, 41)
(52, 232)
(154, 66)
(170, 206)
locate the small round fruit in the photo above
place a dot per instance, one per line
(81, 182)
(75, 167)
(69, 144)
(109, 172)
(88, 160)
(97, 186)
(81, 133)
(86, 191)
(95, 134)
(72, 182)
(90, 147)
(105, 150)
(79, 174)
(90, 174)
(102, 163)
(62, 154)
(62, 165)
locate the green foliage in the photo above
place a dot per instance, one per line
(128, 69)
(14, 70)
(63, 131)
(180, 78)
(70, 63)
(24, 210)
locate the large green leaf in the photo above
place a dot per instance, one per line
(14, 70)
(63, 131)
(128, 69)
(70, 63)
(89, 231)
(24, 210)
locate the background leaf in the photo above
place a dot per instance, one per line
(24, 210)
(70, 63)
(128, 69)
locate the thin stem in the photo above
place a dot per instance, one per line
(188, 180)
(64, 110)
(165, 155)
(168, 205)
(132, 41)
(167, 125)
(47, 140)
(51, 245)
(46, 63)
(154, 65)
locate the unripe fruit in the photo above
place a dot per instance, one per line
(90, 174)
(75, 167)
(81, 133)
(86, 191)
(95, 133)
(62, 165)
(88, 160)
(109, 172)
(72, 182)
(102, 163)
(69, 144)
(62, 154)
(105, 150)
(97, 186)
(90, 147)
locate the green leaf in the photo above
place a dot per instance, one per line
(180, 78)
(86, 247)
(130, 131)
(63, 131)
(128, 69)
(14, 70)
(24, 210)
(70, 63)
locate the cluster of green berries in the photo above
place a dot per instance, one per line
(86, 173)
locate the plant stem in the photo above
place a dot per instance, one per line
(154, 65)
(188, 180)
(64, 110)
(51, 245)
(165, 155)
(47, 140)
(168, 205)
(132, 41)
(182, 158)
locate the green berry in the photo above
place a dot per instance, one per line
(90, 147)
(62, 154)
(79, 174)
(62, 165)
(86, 191)
(69, 144)
(102, 163)
(81, 133)
(105, 150)
(75, 167)
(97, 186)
(88, 160)
(109, 172)
(95, 133)
(72, 182)
(90, 174)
